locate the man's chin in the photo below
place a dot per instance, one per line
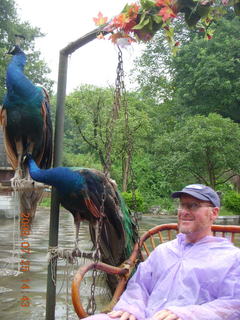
(185, 229)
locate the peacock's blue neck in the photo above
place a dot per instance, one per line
(20, 89)
(65, 180)
(19, 60)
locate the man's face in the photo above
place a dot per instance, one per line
(195, 217)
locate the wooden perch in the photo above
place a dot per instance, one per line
(21, 184)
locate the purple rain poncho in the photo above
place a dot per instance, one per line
(196, 281)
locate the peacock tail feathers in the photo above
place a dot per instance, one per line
(129, 227)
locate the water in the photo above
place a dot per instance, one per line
(17, 289)
(8, 205)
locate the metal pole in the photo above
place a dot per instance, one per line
(54, 214)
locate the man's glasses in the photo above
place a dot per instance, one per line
(193, 206)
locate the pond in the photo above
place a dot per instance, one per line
(12, 283)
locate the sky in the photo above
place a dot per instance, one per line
(64, 21)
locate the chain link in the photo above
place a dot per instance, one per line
(91, 307)
(120, 100)
(119, 87)
(129, 153)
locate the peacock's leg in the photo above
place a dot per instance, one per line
(19, 147)
(77, 222)
(29, 150)
(16, 180)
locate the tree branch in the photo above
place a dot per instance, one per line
(84, 137)
(226, 179)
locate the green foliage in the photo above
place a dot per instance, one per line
(202, 78)
(226, 212)
(90, 129)
(167, 204)
(10, 24)
(45, 202)
(81, 160)
(134, 201)
(200, 149)
(87, 119)
(231, 201)
(153, 71)
(206, 77)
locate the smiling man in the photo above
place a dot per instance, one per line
(198, 209)
(194, 277)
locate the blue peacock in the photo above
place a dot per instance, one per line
(89, 195)
(25, 117)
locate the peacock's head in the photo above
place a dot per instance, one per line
(14, 50)
(28, 159)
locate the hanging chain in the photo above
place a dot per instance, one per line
(91, 307)
(129, 157)
(119, 100)
(119, 86)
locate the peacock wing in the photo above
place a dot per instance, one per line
(92, 192)
(111, 247)
(45, 158)
(9, 143)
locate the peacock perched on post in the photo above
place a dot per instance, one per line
(26, 121)
(91, 196)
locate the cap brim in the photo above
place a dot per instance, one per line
(196, 195)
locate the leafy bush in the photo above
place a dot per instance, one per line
(134, 202)
(231, 201)
(168, 204)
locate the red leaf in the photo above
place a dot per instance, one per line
(166, 13)
(100, 20)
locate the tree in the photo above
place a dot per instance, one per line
(89, 113)
(202, 149)
(88, 110)
(206, 77)
(203, 77)
(153, 70)
(10, 25)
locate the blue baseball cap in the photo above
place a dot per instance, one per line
(201, 192)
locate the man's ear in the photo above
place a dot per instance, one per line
(215, 213)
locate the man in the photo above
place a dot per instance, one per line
(194, 277)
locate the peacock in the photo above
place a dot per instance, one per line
(25, 117)
(91, 196)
